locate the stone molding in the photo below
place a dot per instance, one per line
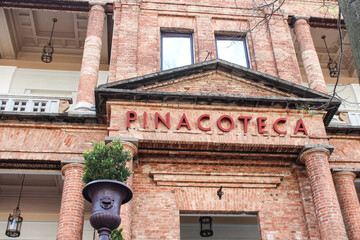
(345, 171)
(227, 180)
(71, 165)
(294, 18)
(308, 149)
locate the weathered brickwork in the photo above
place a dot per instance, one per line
(180, 163)
(158, 207)
(309, 57)
(72, 209)
(128, 209)
(349, 202)
(215, 82)
(140, 24)
(346, 153)
(326, 204)
(47, 142)
(118, 126)
(91, 57)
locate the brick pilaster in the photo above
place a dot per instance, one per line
(91, 59)
(71, 219)
(309, 56)
(127, 209)
(327, 207)
(349, 202)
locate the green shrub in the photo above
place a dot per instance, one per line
(116, 234)
(106, 161)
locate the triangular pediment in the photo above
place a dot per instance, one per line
(215, 82)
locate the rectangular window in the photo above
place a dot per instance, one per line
(232, 49)
(176, 50)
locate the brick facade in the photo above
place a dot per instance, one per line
(326, 204)
(349, 201)
(184, 147)
(91, 58)
(72, 209)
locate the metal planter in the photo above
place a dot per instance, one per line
(106, 197)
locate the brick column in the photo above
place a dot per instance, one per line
(72, 208)
(91, 59)
(327, 207)
(349, 202)
(309, 56)
(127, 209)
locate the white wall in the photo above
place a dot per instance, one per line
(42, 230)
(6, 76)
(48, 82)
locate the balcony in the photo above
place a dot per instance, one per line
(34, 104)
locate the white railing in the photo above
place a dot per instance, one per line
(354, 118)
(35, 104)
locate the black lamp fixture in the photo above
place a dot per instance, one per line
(15, 220)
(332, 65)
(206, 227)
(48, 49)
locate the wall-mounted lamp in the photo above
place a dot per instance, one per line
(220, 192)
(48, 49)
(15, 220)
(332, 65)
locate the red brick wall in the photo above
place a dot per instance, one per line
(117, 118)
(346, 153)
(158, 207)
(349, 202)
(35, 141)
(138, 26)
(71, 218)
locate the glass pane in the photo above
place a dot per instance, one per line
(176, 51)
(232, 50)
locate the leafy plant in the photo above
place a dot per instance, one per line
(106, 161)
(116, 234)
(306, 109)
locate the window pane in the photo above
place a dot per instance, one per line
(232, 50)
(176, 50)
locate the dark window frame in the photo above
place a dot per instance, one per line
(174, 35)
(235, 38)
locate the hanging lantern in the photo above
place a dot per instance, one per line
(15, 220)
(14, 224)
(48, 49)
(332, 65)
(206, 227)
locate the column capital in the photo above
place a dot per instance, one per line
(131, 147)
(294, 18)
(101, 5)
(310, 148)
(339, 172)
(68, 166)
(129, 142)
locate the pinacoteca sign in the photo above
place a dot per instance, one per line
(206, 122)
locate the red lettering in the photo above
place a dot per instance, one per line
(183, 122)
(229, 119)
(261, 124)
(166, 123)
(144, 123)
(300, 126)
(280, 120)
(130, 116)
(246, 120)
(199, 120)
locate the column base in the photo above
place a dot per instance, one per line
(84, 106)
